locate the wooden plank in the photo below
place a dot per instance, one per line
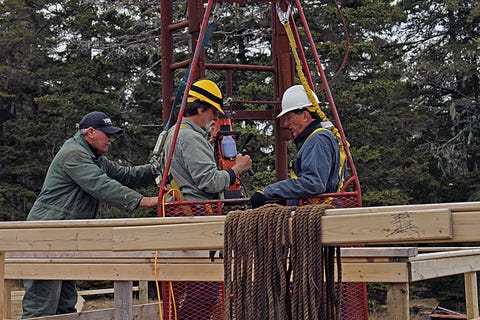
(366, 252)
(466, 226)
(18, 294)
(398, 301)
(446, 254)
(87, 223)
(397, 227)
(3, 294)
(471, 294)
(454, 207)
(375, 272)
(106, 254)
(351, 272)
(7, 289)
(143, 292)
(114, 272)
(187, 237)
(436, 268)
(123, 300)
(148, 311)
(409, 226)
(440, 249)
(60, 239)
(76, 261)
(404, 226)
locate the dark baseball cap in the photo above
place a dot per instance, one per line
(100, 121)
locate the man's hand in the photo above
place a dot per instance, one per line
(242, 163)
(257, 199)
(148, 202)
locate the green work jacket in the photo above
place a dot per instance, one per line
(78, 181)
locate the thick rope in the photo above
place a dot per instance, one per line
(276, 266)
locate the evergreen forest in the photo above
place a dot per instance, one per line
(407, 93)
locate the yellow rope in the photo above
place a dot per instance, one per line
(157, 285)
(160, 308)
(303, 79)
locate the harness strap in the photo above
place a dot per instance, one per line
(177, 193)
(343, 157)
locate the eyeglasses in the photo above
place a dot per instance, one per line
(109, 135)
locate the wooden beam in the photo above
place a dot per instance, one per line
(388, 227)
(471, 295)
(123, 300)
(446, 254)
(454, 207)
(115, 271)
(56, 239)
(107, 222)
(441, 267)
(148, 311)
(376, 252)
(398, 301)
(143, 292)
(3, 289)
(8, 298)
(171, 237)
(375, 272)
(351, 271)
(392, 227)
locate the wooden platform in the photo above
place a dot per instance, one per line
(123, 250)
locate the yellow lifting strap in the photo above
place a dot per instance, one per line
(175, 190)
(284, 18)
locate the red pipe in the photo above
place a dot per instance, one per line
(191, 75)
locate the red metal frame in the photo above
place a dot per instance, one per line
(197, 20)
(283, 70)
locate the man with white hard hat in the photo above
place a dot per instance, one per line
(316, 165)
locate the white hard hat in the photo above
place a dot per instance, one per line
(295, 98)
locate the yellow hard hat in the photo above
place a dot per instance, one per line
(207, 91)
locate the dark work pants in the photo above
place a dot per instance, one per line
(48, 297)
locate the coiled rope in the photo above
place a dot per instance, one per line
(276, 266)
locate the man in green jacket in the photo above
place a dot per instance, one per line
(78, 180)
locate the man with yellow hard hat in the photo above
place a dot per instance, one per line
(195, 175)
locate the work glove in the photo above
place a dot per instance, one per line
(155, 166)
(257, 199)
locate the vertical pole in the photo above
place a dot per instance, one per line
(122, 291)
(7, 295)
(167, 58)
(284, 78)
(398, 301)
(3, 305)
(195, 17)
(471, 294)
(143, 292)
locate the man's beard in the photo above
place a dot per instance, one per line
(209, 126)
